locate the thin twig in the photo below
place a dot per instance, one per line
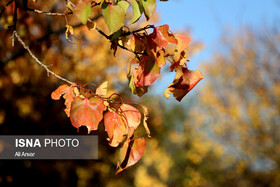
(49, 13)
(2, 11)
(37, 60)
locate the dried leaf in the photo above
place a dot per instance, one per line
(68, 95)
(184, 81)
(69, 31)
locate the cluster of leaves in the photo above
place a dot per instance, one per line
(155, 49)
(86, 108)
(151, 50)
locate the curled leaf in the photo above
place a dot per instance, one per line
(145, 118)
(69, 31)
(68, 95)
(184, 81)
(130, 153)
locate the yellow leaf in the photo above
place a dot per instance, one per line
(69, 31)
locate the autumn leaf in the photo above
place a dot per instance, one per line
(102, 89)
(145, 118)
(83, 10)
(137, 43)
(183, 42)
(162, 37)
(130, 153)
(68, 95)
(132, 115)
(184, 81)
(69, 31)
(147, 72)
(116, 128)
(138, 90)
(87, 112)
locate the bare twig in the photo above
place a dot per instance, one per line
(49, 13)
(37, 60)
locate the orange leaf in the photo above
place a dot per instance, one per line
(115, 127)
(132, 115)
(130, 153)
(59, 91)
(184, 81)
(68, 95)
(87, 112)
(183, 42)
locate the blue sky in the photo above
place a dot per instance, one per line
(207, 19)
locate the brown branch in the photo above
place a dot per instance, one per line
(37, 60)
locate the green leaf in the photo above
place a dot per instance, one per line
(124, 5)
(83, 10)
(137, 10)
(149, 7)
(114, 16)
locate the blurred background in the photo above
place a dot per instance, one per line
(226, 132)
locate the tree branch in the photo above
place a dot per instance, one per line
(37, 60)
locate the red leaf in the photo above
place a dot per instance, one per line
(68, 95)
(184, 81)
(130, 153)
(115, 127)
(132, 115)
(162, 37)
(88, 112)
(147, 72)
